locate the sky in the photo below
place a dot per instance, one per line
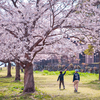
(7, 64)
(2, 65)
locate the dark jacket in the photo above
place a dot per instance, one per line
(61, 76)
(76, 76)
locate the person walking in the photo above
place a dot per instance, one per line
(76, 79)
(61, 78)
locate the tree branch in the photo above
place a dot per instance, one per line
(36, 53)
(11, 32)
(36, 44)
(14, 3)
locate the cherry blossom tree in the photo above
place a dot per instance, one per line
(89, 17)
(32, 27)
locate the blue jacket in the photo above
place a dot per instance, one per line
(61, 76)
(76, 76)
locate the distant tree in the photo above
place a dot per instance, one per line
(90, 50)
(9, 69)
(17, 77)
(71, 66)
(78, 67)
(75, 67)
(89, 12)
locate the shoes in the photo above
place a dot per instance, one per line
(60, 88)
(75, 90)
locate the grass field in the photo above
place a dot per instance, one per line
(47, 87)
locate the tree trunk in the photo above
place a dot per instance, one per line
(99, 65)
(28, 78)
(9, 70)
(17, 72)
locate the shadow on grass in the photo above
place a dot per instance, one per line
(6, 77)
(94, 82)
(77, 92)
(61, 89)
(93, 85)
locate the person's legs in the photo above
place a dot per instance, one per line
(60, 85)
(75, 85)
(63, 84)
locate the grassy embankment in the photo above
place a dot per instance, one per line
(47, 87)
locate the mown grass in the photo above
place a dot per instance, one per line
(13, 90)
(87, 90)
(47, 87)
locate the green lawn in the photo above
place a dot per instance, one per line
(47, 87)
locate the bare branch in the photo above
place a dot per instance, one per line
(52, 15)
(6, 10)
(36, 44)
(14, 3)
(37, 3)
(52, 42)
(36, 53)
(11, 32)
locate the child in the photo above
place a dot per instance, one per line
(76, 79)
(61, 77)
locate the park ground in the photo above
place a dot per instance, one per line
(47, 87)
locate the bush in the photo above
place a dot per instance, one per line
(70, 72)
(22, 88)
(75, 67)
(46, 72)
(15, 87)
(78, 67)
(37, 71)
(71, 66)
